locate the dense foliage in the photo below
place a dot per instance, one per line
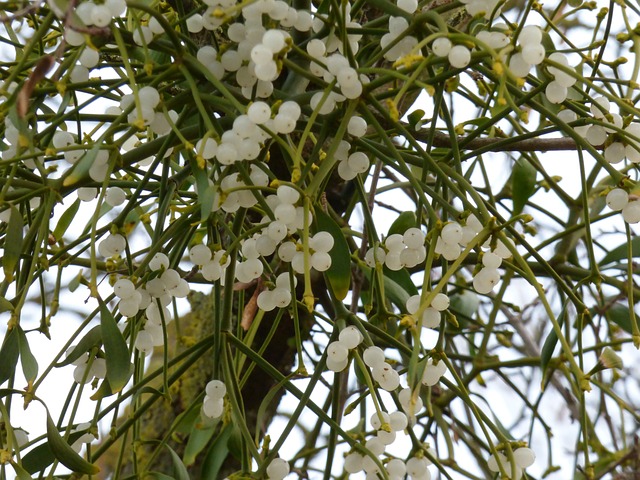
(323, 239)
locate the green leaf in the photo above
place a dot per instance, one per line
(619, 314)
(465, 303)
(80, 169)
(12, 243)
(620, 252)
(547, 350)
(38, 458)
(403, 278)
(405, 221)
(90, 340)
(339, 273)
(116, 351)
(550, 345)
(235, 442)
(9, 355)
(63, 452)
(179, 470)
(206, 193)
(29, 362)
(523, 184)
(5, 305)
(397, 293)
(157, 476)
(478, 122)
(104, 390)
(217, 454)
(198, 440)
(415, 118)
(75, 282)
(21, 473)
(66, 218)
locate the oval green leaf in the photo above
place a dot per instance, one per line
(198, 440)
(80, 169)
(405, 221)
(29, 362)
(547, 350)
(620, 252)
(523, 183)
(116, 351)
(179, 470)
(40, 457)
(21, 473)
(12, 243)
(65, 219)
(90, 340)
(619, 314)
(5, 305)
(65, 454)
(396, 293)
(9, 355)
(206, 193)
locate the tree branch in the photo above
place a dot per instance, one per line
(503, 144)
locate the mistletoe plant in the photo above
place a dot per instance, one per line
(319, 239)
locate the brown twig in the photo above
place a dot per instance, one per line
(4, 18)
(503, 144)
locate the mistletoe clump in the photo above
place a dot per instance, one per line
(362, 190)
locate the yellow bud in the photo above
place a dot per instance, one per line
(23, 141)
(393, 110)
(61, 87)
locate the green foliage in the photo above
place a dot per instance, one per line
(257, 151)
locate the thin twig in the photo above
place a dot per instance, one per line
(503, 144)
(4, 18)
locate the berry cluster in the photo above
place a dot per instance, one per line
(381, 371)
(399, 251)
(338, 351)
(619, 200)
(523, 458)
(399, 44)
(415, 467)
(459, 56)
(88, 367)
(163, 285)
(531, 53)
(253, 117)
(488, 275)
(278, 297)
(431, 315)
(213, 403)
(453, 237)
(433, 372)
(352, 164)
(605, 130)
(558, 89)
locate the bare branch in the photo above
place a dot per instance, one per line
(504, 144)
